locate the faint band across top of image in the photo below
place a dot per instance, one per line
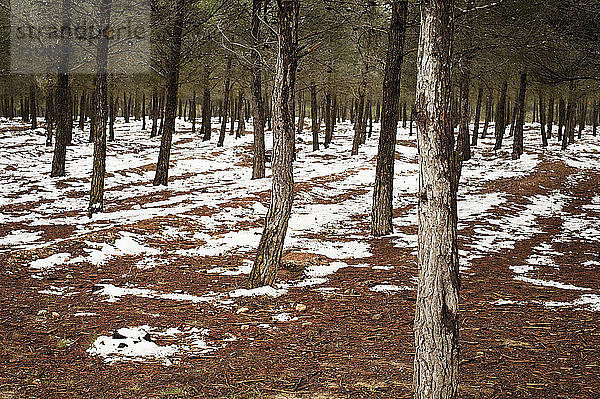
(48, 36)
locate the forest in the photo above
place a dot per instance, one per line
(287, 199)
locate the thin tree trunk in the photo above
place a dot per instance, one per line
(193, 112)
(327, 118)
(62, 99)
(464, 143)
(241, 129)
(101, 112)
(550, 117)
(33, 105)
(111, 119)
(561, 118)
(50, 116)
(542, 120)
(382, 209)
(488, 115)
(258, 107)
(162, 166)
(436, 318)
(225, 107)
(314, 116)
(520, 119)
(500, 115)
(302, 106)
(144, 111)
(270, 247)
(206, 113)
(477, 117)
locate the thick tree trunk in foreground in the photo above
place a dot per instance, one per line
(269, 250)
(382, 210)
(101, 113)
(162, 166)
(477, 117)
(500, 115)
(436, 319)
(258, 107)
(520, 119)
(63, 115)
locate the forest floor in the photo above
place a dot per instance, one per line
(148, 299)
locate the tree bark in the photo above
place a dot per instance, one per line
(258, 107)
(500, 115)
(270, 247)
(111, 119)
(488, 114)
(327, 118)
(550, 117)
(520, 119)
(542, 117)
(33, 105)
(436, 318)
(62, 99)
(302, 106)
(162, 166)
(464, 142)
(561, 118)
(50, 116)
(382, 209)
(206, 113)
(477, 117)
(225, 107)
(314, 116)
(101, 112)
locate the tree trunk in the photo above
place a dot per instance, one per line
(225, 107)
(206, 113)
(595, 119)
(436, 318)
(550, 117)
(193, 112)
(561, 118)
(464, 143)
(258, 107)
(50, 116)
(269, 250)
(154, 130)
(101, 112)
(314, 116)
(144, 111)
(520, 119)
(382, 210)
(327, 118)
(542, 119)
(582, 119)
(62, 99)
(33, 106)
(162, 166)
(477, 116)
(111, 119)
(241, 129)
(500, 121)
(488, 114)
(358, 119)
(302, 106)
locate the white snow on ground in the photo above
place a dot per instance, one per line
(137, 344)
(390, 288)
(327, 219)
(50, 262)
